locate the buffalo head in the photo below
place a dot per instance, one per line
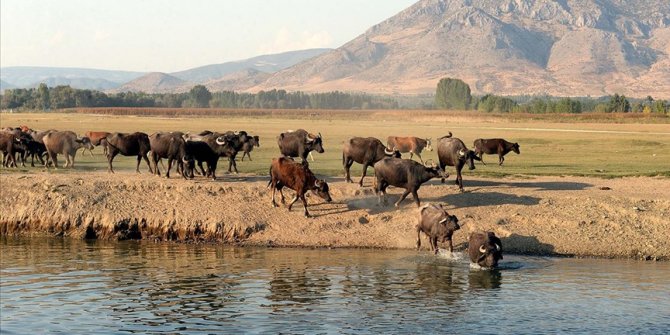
(322, 190)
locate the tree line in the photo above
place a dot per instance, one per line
(46, 98)
(452, 93)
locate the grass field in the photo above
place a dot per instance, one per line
(628, 147)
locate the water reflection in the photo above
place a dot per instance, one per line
(61, 285)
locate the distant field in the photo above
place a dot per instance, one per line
(618, 146)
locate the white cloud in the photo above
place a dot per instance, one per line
(286, 40)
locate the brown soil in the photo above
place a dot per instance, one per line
(616, 218)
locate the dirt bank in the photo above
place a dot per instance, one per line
(620, 218)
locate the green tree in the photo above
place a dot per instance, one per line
(452, 93)
(618, 104)
(43, 101)
(199, 96)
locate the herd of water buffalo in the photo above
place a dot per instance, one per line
(187, 151)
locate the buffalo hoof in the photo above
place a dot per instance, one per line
(436, 251)
(274, 205)
(443, 180)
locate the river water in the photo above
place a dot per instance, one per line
(51, 285)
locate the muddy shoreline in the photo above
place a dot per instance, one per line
(557, 216)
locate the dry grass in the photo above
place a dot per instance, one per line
(548, 147)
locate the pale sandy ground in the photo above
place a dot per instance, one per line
(569, 216)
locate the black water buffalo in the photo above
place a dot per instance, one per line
(485, 249)
(248, 146)
(38, 137)
(437, 224)
(9, 146)
(494, 146)
(453, 152)
(236, 140)
(366, 151)
(65, 143)
(285, 172)
(403, 173)
(413, 145)
(299, 143)
(135, 144)
(170, 146)
(208, 150)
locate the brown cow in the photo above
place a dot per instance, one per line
(98, 138)
(285, 172)
(494, 146)
(66, 143)
(413, 145)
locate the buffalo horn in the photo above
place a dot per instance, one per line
(220, 140)
(498, 247)
(388, 151)
(482, 249)
(443, 220)
(236, 133)
(319, 136)
(461, 153)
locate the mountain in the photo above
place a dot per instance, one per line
(265, 63)
(5, 86)
(78, 82)
(239, 80)
(155, 82)
(508, 47)
(31, 76)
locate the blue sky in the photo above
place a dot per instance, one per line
(173, 35)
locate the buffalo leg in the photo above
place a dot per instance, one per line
(501, 159)
(202, 170)
(434, 244)
(365, 170)
(402, 197)
(293, 201)
(274, 189)
(459, 181)
(54, 159)
(417, 155)
(110, 158)
(416, 198)
(146, 159)
(139, 160)
(169, 167)
(347, 162)
(304, 205)
(418, 237)
(154, 159)
(451, 246)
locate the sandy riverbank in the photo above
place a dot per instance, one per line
(573, 216)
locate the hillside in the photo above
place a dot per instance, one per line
(265, 63)
(510, 47)
(31, 76)
(155, 82)
(238, 80)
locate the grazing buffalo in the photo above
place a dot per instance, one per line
(494, 146)
(453, 152)
(437, 224)
(236, 141)
(413, 145)
(170, 146)
(38, 137)
(485, 249)
(366, 151)
(65, 143)
(9, 146)
(135, 144)
(403, 173)
(248, 146)
(98, 138)
(284, 172)
(299, 143)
